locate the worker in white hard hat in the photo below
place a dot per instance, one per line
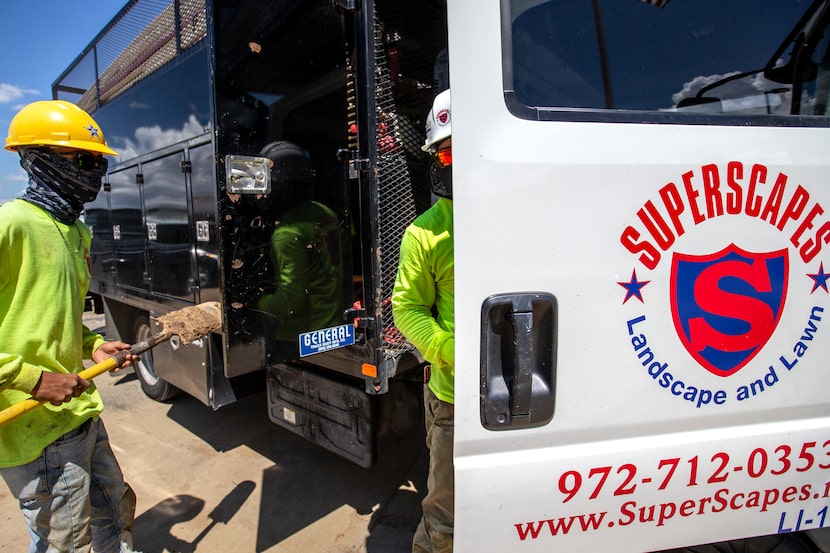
(56, 459)
(426, 279)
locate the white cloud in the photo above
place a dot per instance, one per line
(21, 176)
(12, 185)
(691, 88)
(148, 139)
(11, 93)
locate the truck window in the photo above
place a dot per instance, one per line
(673, 58)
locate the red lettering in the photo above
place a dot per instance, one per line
(674, 206)
(721, 500)
(711, 190)
(650, 255)
(794, 207)
(733, 503)
(692, 195)
(807, 223)
(734, 199)
(662, 235)
(812, 247)
(789, 494)
(753, 200)
(776, 196)
(687, 508)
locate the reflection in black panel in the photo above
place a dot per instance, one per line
(280, 75)
(706, 56)
(203, 198)
(102, 252)
(128, 228)
(168, 229)
(171, 105)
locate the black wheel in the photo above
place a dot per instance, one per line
(154, 387)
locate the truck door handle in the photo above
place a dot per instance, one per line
(518, 360)
(523, 357)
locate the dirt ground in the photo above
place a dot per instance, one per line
(230, 480)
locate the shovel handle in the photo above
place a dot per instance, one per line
(108, 364)
(27, 405)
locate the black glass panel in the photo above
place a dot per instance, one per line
(128, 228)
(704, 56)
(280, 75)
(171, 105)
(102, 251)
(168, 228)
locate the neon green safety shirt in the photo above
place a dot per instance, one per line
(426, 279)
(44, 277)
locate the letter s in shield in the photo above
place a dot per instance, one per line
(726, 305)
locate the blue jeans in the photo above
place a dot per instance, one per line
(73, 495)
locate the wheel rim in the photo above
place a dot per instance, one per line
(145, 361)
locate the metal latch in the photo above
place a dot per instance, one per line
(351, 158)
(347, 5)
(357, 316)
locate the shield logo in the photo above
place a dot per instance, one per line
(726, 305)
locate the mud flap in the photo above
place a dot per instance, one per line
(327, 412)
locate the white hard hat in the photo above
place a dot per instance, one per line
(439, 122)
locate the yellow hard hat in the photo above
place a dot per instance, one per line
(56, 123)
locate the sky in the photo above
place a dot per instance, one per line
(38, 40)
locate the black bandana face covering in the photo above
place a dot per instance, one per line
(57, 184)
(440, 178)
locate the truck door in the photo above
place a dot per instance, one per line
(170, 240)
(642, 217)
(128, 228)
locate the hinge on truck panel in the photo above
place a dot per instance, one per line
(356, 165)
(347, 5)
(358, 316)
(187, 167)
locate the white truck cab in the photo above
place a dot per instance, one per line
(642, 216)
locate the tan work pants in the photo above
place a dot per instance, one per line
(435, 532)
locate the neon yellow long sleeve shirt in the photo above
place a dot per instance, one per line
(44, 277)
(426, 280)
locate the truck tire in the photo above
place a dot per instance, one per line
(784, 543)
(153, 386)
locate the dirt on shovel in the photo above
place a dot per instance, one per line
(192, 323)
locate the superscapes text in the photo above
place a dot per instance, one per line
(736, 189)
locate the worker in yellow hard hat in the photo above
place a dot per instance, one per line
(56, 459)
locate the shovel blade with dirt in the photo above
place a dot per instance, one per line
(189, 324)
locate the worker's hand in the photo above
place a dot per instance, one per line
(107, 349)
(57, 388)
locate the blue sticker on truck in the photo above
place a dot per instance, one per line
(326, 339)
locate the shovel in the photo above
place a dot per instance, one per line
(189, 324)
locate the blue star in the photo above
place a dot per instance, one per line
(93, 132)
(633, 287)
(819, 279)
